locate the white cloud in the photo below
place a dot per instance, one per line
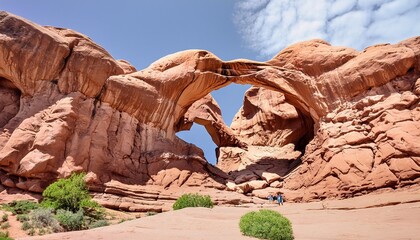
(271, 25)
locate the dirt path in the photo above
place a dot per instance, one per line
(366, 217)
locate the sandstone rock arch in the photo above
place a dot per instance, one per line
(81, 110)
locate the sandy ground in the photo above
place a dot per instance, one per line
(381, 216)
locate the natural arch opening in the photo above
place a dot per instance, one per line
(207, 119)
(9, 101)
(199, 136)
(263, 118)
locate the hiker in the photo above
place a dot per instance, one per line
(279, 198)
(270, 198)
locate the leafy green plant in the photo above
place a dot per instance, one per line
(70, 221)
(22, 206)
(193, 200)
(266, 224)
(69, 194)
(5, 217)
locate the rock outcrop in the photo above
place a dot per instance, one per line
(321, 121)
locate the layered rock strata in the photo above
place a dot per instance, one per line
(321, 121)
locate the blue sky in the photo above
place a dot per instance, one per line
(142, 31)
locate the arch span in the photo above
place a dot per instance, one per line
(172, 84)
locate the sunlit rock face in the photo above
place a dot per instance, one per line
(320, 121)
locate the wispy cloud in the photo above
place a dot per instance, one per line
(270, 25)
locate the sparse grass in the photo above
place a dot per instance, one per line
(122, 220)
(193, 200)
(99, 223)
(5, 217)
(266, 224)
(42, 231)
(21, 207)
(71, 221)
(5, 225)
(25, 226)
(5, 236)
(22, 218)
(151, 213)
(31, 232)
(44, 218)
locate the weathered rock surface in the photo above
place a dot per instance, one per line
(371, 144)
(266, 119)
(321, 121)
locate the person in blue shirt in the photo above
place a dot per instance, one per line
(279, 198)
(270, 198)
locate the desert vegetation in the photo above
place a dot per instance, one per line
(66, 206)
(266, 224)
(193, 200)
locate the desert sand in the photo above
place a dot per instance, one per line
(392, 215)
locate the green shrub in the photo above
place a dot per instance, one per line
(5, 217)
(70, 221)
(22, 207)
(42, 231)
(99, 223)
(22, 218)
(70, 194)
(44, 218)
(266, 224)
(5, 225)
(31, 232)
(193, 200)
(25, 226)
(5, 236)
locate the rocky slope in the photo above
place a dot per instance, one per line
(321, 121)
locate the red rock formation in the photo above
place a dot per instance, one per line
(207, 112)
(67, 105)
(266, 119)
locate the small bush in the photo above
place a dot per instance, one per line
(70, 221)
(44, 218)
(99, 223)
(70, 194)
(25, 226)
(5, 217)
(22, 207)
(5, 225)
(193, 200)
(42, 231)
(22, 218)
(31, 232)
(266, 224)
(5, 236)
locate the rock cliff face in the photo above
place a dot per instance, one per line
(321, 121)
